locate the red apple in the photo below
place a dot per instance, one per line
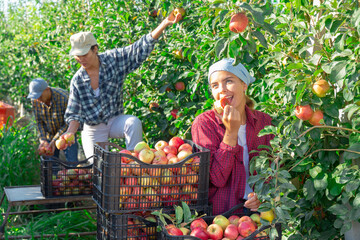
(231, 232)
(170, 155)
(215, 232)
(140, 146)
(174, 113)
(160, 160)
(246, 228)
(198, 223)
(222, 221)
(304, 112)
(176, 142)
(159, 145)
(200, 233)
(245, 218)
(125, 159)
(174, 231)
(170, 149)
(316, 117)
(180, 86)
(146, 155)
(60, 143)
(173, 160)
(320, 88)
(234, 219)
(238, 22)
(185, 146)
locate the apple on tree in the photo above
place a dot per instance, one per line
(180, 86)
(320, 88)
(316, 118)
(238, 22)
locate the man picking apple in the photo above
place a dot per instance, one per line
(230, 135)
(49, 105)
(96, 90)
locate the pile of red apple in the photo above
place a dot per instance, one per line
(232, 228)
(143, 187)
(76, 181)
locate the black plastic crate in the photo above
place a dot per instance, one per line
(164, 235)
(138, 186)
(62, 178)
(125, 226)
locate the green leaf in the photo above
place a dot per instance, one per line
(187, 212)
(356, 202)
(338, 71)
(261, 38)
(321, 182)
(220, 47)
(293, 66)
(309, 190)
(257, 14)
(267, 130)
(179, 214)
(338, 209)
(353, 155)
(315, 171)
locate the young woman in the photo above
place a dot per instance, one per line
(230, 135)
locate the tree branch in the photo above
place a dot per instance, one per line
(330, 127)
(327, 150)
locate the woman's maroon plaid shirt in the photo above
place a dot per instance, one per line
(227, 171)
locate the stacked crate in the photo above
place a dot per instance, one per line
(63, 178)
(124, 190)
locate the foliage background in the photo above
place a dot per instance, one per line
(287, 47)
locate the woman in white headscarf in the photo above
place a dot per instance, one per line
(230, 132)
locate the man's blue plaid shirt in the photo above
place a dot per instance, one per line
(115, 64)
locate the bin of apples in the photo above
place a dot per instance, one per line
(234, 227)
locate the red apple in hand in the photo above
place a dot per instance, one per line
(215, 232)
(238, 22)
(304, 112)
(60, 143)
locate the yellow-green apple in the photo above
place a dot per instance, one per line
(320, 88)
(160, 160)
(159, 145)
(180, 11)
(176, 142)
(215, 232)
(200, 233)
(268, 215)
(246, 228)
(231, 231)
(183, 154)
(234, 219)
(150, 194)
(146, 155)
(140, 146)
(125, 159)
(316, 118)
(238, 22)
(198, 223)
(159, 153)
(145, 180)
(167, 176)
(180, 86)
(69, 137)
(60, 143)
(178, 54)
(170, 149)
(256, 218)
(185, 231)
(304, 112)
(185, 146)
(125, 190)
(222, 221)
(71, 173)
